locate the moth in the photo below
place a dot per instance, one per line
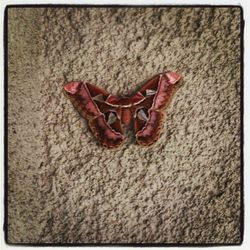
(110, 115)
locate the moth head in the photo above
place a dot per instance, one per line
(72, 87)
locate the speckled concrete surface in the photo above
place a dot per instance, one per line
(66, 188)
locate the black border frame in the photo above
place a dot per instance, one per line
(5, 226)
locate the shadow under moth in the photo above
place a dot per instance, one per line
(109, 115)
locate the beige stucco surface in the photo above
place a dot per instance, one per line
(63, 187)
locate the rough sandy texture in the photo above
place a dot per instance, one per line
(66, 188)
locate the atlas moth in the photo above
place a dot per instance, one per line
(109, 115)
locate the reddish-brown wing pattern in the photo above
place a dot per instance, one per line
(109, 115)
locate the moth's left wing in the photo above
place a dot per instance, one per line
(103, 120)
(148, 116)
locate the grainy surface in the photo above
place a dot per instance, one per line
(64, 187)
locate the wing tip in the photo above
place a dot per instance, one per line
(173, 77)
(72, 87)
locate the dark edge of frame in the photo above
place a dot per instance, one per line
(120, 6)
(242, 26)
(5, 226)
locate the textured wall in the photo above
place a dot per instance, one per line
(64, 187)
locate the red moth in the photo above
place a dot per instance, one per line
(108, 114)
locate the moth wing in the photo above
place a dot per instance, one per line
(109, 135)
(148, 117)
(83, 95)
(90, 101)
